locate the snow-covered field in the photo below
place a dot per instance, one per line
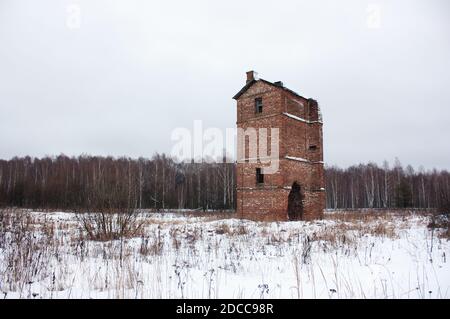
(346, 255)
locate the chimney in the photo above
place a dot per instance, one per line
(279, 83)
(252, 75)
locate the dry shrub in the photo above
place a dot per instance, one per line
(152, 246)
(325, 236)
(265, 232)
(275, 239)
(441, 218)
(48, 229)
(223, 229)
(241, 230)
(338, 236)
(442, 223)
(3, 225)
(175, 233)
(110, 225)
(446, 234)
(382, 229)
(306, 251)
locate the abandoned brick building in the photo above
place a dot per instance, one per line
(296, 190)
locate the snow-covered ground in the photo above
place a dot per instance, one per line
(379, 255)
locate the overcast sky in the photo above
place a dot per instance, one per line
(120, 77)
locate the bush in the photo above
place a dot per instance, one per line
(442, 218)
(110, 213)
(110, 225)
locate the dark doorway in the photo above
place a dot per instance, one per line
(295, 203)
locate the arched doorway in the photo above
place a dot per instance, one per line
(295, 204)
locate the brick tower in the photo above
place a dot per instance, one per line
(296, 190)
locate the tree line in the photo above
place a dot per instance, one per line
(93, 182)
(371, 186)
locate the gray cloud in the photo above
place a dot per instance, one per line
(135, 70)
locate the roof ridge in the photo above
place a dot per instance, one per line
(250, 83)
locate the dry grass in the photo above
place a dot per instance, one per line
(225, 229)
(378, 223)
(367, 215)
(39, 246)
(27, 250)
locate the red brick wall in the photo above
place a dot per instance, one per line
(246, 176)
(263, 203)
(270, 200)
(272, 98)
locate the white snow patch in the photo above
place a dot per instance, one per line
(295, 117)
(297, 159)
(196, 257)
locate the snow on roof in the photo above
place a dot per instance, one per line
(300, 119)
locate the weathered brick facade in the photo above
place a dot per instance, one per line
(300, 154)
